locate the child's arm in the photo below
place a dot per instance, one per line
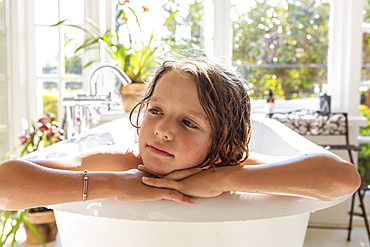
(319, 176)
(103, 158)
(25, 184)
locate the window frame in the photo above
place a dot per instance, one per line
(26, 100)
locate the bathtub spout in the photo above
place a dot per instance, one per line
(107, 67)
(82, 109)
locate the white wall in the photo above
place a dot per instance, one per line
(4, 124)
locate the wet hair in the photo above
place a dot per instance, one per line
(225, 101)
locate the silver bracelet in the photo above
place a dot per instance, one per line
(86, 178)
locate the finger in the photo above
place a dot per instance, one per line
(176, 196)
(181, 174)
(161, 183)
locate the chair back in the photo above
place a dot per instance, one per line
(316, 123)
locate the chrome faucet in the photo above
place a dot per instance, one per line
(83, 109)
(107, 67)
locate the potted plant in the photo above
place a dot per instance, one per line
(131, 49)
(11, 222)
(39, 222)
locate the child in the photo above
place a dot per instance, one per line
(194, 135)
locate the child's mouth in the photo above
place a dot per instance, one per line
(158, 151)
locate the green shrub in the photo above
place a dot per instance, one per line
(364, 154)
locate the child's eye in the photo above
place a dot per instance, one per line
(189, 124)
(155, 111)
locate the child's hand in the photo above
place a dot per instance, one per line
(182, 174)
(200, 184)
(175, 175)
(131, 189)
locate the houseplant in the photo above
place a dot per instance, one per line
(131, 49)
(10, 224)
(46, 131)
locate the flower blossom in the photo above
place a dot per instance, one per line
(145, 8)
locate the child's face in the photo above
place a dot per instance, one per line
(175, 133)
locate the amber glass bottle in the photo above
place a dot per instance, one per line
(270, 103)
(270, 98)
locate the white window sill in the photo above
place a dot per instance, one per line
(259, 106)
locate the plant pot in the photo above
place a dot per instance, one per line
(45, 224)
(132, 94)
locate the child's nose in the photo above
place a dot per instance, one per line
(164, 130)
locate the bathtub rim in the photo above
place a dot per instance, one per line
(226, 208)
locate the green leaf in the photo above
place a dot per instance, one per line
(92, 24)
(6, 219)
(171, 17)
(89, 63)
(59, 23)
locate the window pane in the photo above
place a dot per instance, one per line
(366, 11)
(182, 30)
(46, 12)
(47, 50)
(147, 30)
(73, 88)
(365, 72)
(366, 57)
(72, 11)
(50, 97)
(282, 45)
(73, 38)
(185, 30)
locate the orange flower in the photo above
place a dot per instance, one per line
(124, 19)
(145, 9)
(126, 1)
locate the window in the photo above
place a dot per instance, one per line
(55, 75)
(282, 45)
(365, 72)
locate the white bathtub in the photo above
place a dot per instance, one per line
(232, 219)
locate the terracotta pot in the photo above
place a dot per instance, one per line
(45, 224)
(131, 95)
